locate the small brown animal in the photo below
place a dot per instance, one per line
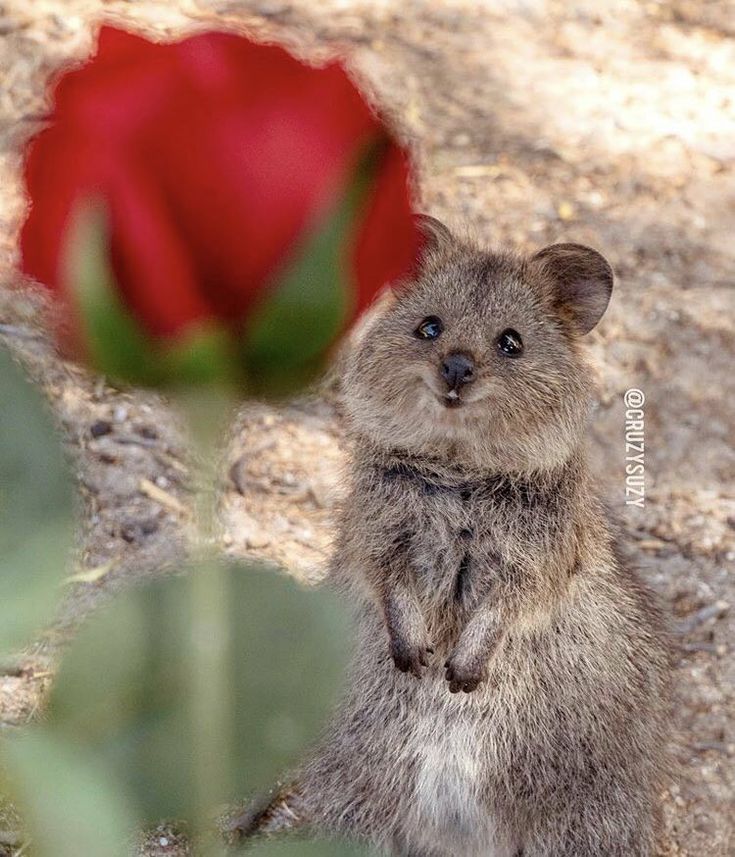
(509, 693)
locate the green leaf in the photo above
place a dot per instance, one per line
(36, 509)
(116, 343)
(287, 337)
(132, 692)
(69, 802)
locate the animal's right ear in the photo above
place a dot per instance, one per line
(433, 232)
(432, 235)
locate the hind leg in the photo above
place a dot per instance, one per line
(285, 810)
(592, 831)
(278, 811)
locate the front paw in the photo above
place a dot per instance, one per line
(464, 674)
(410, 657)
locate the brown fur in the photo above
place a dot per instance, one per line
(509, 691)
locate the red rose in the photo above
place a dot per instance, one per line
(211, 202)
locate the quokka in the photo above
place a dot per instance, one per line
(509, 691)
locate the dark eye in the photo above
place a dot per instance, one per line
(510, 343)
(430, 328)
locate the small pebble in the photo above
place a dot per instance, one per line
(134, 531)
(148, 432)
(238, 475)
(99, 428)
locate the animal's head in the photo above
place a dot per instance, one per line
(477, 356)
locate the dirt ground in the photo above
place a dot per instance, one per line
(608, 123)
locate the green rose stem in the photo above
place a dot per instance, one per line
(120, 348)
(208, 411)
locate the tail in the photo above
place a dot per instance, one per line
(276, 812)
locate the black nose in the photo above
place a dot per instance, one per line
(458, 369)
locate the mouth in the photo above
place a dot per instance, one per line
(452, 399)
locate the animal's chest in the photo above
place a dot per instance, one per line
(448, 808)
(456, 546)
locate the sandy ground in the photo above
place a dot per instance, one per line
(608, 123)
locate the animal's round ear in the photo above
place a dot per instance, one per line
(582, 281)
(432, 235)
(433, 232)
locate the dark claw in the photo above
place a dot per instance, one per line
(401, 659)
(408, 659)
(459, 683)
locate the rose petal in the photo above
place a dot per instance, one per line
(269, 162)
(151, 262)
(388, 241)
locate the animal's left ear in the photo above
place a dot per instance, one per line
(582, 280)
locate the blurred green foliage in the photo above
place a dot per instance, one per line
(36, 509)
(124, 689)
(70, 801)
(177, 699)
(123, 735)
